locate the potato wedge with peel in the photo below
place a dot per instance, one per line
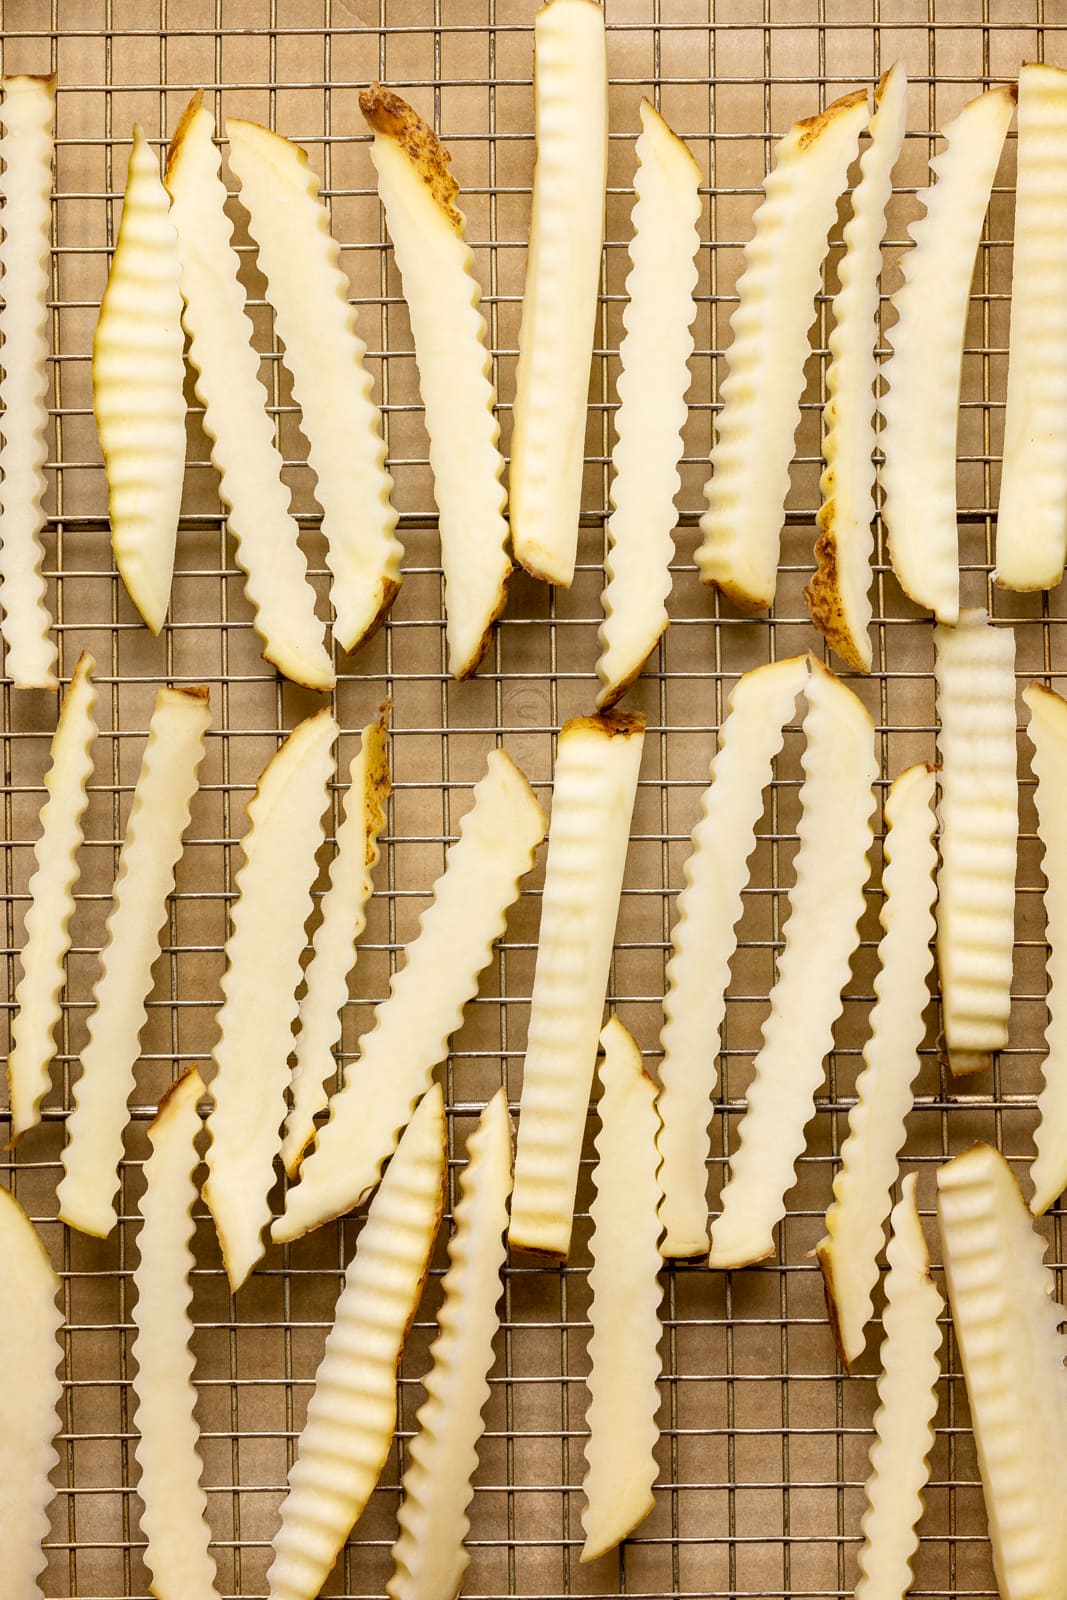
(1008, 1331)
(150, 853)
(436, 264)
(1048, 735)
(559, 304)
(138, 388)
(174, 1519)
(426, 1001)
(761, 391)
(51, 889)
(324, 353)
(429, 1557)
(352, 1411)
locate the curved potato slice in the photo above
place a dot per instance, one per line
(334, 944)
(436, 264)
(324, 354)
(825, 905)
(429, 1558)
(51, 907)
(138, 388)
(979, 808)
(703, 941)
(921, 405)
(837, 596)
(259, 1005)
(235, 416)
(559, 305)
(158, 818)
(907, 1402)
(624, 1312)
(1048, 734)
(27, 116)
(764, 380)
(1008, 1328)
(427, 997)
(652, 386)
(174, 1519)
(352, 1411)
(29, 1352)
(593, 793)
(848, 1255)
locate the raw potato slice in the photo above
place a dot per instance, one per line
(51, 907)
(29, 1352)
(138, 388)
(158, 818)
(309, 291)
(907, 1402)
(174, 1519)
(837, 596)
(593, 792)
(27, 116)
(624, 1312)
(652, 386)
(559, 304)
(427, 997)
(352, 1410)
(1032, 515)
(1048, 734)
(764, 379)
(334, 945)
(429, 1558)
(235, 416)
(703, 941)
(259, 1005)
(921, 406)
(825, 905)
(979, 810)
(1008, 1329)
(848, 1255)
(437, 267)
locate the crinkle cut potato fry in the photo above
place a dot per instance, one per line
(754, 430)
(1048, 734)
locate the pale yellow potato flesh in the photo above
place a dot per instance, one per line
(1048, 735)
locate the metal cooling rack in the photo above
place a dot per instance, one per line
(763, 1451)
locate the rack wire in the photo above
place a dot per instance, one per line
(763, 1449)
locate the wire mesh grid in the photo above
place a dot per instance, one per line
(763, 1447)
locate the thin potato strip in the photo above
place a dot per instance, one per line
(426, 1001)
(921, 405)
(436, 264)
(259, 988)
(352, 1411)
(979, 810)
(1008, 1329)
(51, 891)
(429, 1558)
(825, 905)
(1032, 514)
(837, 596)
(324, 353)
(848, 1254)
(27, 116)
(174, 1519)
(704, 938)
(333, 949)
(907, 1402)
(765, 359)
(1048, 734)
(654, 357)
(624, 1311)
(30, 1351)
(562, 279)
(235, 416)
(593, 793)
(138, 388)
(152, 847)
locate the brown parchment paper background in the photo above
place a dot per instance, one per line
(763, 1449)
